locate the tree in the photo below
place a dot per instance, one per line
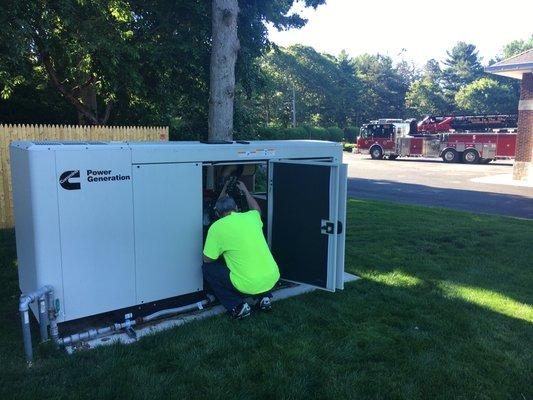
(384, 86)
(463, 66)
(433, 71)
(326, 87)
(252, 19)
(426, 97)
(487, 96)
(110, 57)
(142, 62)
(55, 39)
(223, 57)
(516, 47)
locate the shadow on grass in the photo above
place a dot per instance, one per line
(438, 245)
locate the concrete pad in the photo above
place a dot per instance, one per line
(503, 179)
(182, 319)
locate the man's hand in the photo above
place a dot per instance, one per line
(252, 203)
(242, 186)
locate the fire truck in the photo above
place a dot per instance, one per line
(441, 124)
(384, 139)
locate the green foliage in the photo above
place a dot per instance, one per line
(485, 96)
(326, 91)
(335, 134)
(462, 86)
(351, 133)
(384, 86)
(463, 67)
(118, 54)
(426, 97)
(332, 133)
(516, 47)
(147, 63)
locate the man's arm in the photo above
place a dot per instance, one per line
(252, 203)
(223, 192)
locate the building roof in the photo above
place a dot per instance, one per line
(514, 66)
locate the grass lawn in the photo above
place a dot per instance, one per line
(444, 310)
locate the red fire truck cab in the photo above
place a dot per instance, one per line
(401, 139)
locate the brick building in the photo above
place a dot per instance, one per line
(521, 67)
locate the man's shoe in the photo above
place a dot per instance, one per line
(265, 304)
(241, 311)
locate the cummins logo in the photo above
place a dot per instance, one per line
(68, 181)
(64, 180)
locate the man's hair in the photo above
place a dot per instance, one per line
(225, 204)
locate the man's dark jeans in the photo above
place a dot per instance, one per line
(216, 274)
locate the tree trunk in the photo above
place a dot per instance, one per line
(87, 95)
(225, 46)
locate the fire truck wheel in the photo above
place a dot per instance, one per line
(470, 156)
(450, 156)
(376, 153)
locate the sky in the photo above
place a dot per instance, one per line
(412, 30)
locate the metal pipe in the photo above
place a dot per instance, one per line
(52, 315)
(25, 301)
(106, 330)
(43, 322)
(26, 336)
(177, 310)
(93, 333)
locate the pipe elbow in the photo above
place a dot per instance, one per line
(27, 298)
(24, 303)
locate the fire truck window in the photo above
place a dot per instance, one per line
(383, 131)
(366, 132)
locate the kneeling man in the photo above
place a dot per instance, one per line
(249, 268)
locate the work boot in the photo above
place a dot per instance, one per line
(241, 311)
(265, 304)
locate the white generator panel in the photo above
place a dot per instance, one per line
(118, 226)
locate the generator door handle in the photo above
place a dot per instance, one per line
(328, 227)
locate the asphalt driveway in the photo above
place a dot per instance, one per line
(431, 182)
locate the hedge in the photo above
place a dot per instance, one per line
(332, 133)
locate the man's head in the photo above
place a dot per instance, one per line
(225, 205)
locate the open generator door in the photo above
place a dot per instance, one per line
(303, 221)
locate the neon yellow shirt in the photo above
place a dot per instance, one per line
(239, 238)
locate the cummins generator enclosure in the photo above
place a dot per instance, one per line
(117, 228)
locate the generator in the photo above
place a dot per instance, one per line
(117, 228)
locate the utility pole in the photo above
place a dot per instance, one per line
(293, 107)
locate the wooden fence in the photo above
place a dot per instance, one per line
(9, 133)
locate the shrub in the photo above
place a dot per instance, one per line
(350, 134)
(335, 134)
(316, 133)
(332, 133)
(296, 133)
